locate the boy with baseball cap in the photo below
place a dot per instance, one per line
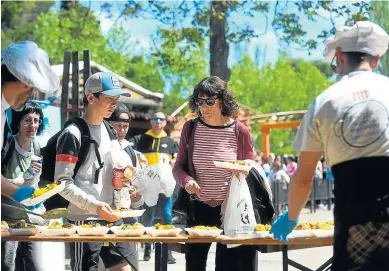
(90, 192)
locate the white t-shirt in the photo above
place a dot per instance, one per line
(349, 120)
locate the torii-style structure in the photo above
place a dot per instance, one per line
(271, 121)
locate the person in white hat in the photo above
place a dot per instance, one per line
(24, 68)
(349, 123)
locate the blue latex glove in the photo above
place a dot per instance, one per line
(25, 192)
(282, 227)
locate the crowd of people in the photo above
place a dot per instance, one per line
(86, 149)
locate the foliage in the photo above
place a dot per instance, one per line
(380, 15)
(17, 17)
(277, 88)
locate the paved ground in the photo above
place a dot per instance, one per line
(311, 258)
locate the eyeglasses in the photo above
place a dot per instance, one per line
(208, 101)
(30, 121)
(333, 64)
(155, 119)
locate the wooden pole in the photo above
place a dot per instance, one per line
(265, 141)
(65, 88)
(75, 84)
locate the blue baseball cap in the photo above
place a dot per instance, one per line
(106, 83)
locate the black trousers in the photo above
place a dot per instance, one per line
(242, 258)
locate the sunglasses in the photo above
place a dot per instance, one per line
(30, 121)
(207, 101)
(155, 119)
(333, 64)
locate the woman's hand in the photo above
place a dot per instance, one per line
(193, 188)
(237, 172)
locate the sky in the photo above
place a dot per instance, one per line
(142, 31)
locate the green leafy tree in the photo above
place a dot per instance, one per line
(213, 19)
(276, 88)
(380, 15)
(17, 18)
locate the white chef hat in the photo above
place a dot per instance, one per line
(30, 64)
(364, 37)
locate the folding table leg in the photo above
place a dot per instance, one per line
(164, 257)
(158, 256)
(284, 258)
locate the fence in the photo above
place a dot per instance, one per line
(321, 190)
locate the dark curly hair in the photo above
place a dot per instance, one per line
(214, 86)
(30, 107)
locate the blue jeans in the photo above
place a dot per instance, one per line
(163, 210)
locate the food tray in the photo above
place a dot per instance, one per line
(163, 233)
(45, 196)
(95, 231)
(45, 231)
(203, 233)
(130, 233)
(323, 233)
(231, 166)
(262, 234)
(296, 234)
(24, 231)
(130, 213)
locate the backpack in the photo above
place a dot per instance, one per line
(50, 152)
(130, 151)
(9, 148)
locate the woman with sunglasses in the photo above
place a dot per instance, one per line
(214, 135)
(20, 168)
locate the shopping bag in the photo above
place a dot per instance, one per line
(168, 183)
(148, 184)
(239, 219)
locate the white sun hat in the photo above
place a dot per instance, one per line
(30, 64)
(364, 37)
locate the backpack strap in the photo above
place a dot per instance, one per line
(7, 151)
(85, 141)
(130, 151)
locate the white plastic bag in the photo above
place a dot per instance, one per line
(168, 183)
(239, 219)
(148, 182)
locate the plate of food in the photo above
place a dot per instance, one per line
(302, 230)
(92, 229)
(125, 212)
(56, 228)
(204, 231)
(22, 228)
(163, 231)
(44, 193)
(134, 230)
(262, 231)
(236, 165)
(322, 229)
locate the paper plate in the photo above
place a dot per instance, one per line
(130, 213)
(203, 233)
(131, 233)
(262, 234)
(25, 231)
(232, 166)
(57, 232)
(163, 233)
(95, 231)
(323, 233)
(300, 234)
(45, 196)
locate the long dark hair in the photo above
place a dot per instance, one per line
(17, 116)
(214, 86)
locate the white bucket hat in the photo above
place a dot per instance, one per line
(365, 37)
(30, 64)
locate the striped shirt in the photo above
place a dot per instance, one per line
(213, 143)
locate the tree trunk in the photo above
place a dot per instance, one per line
(218, 41)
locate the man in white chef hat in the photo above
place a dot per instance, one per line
(349, 123)
(25, 68)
